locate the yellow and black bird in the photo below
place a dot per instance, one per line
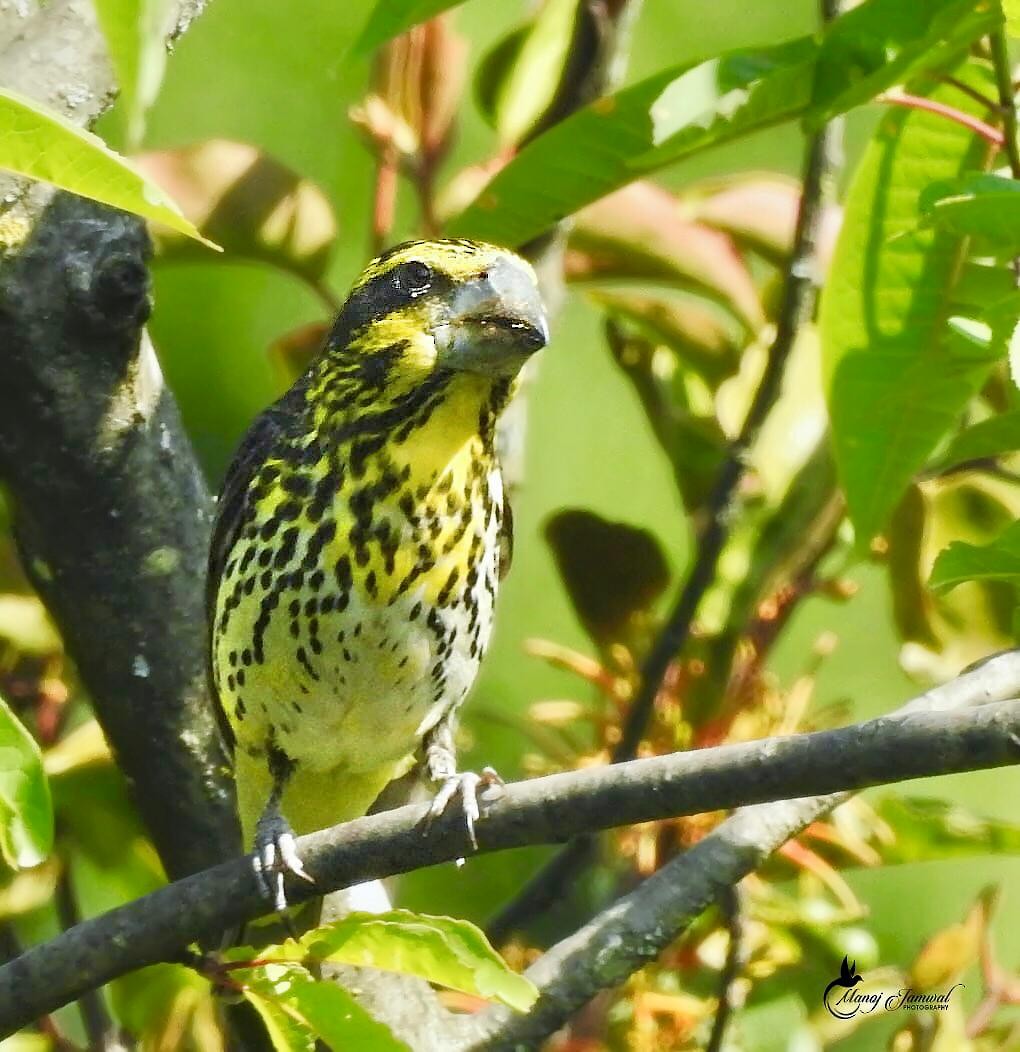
(360, 537)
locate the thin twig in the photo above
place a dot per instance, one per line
(731, 903)
(915, 743)
(798, 298)
(1007, 104)
(95, 1019)
(969, 91)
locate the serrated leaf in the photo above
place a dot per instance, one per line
(530, 85)
(621, 137)
(993, 437)
(641, 232)
(896, 375)
(926, 829)
(981, 205)
(881, 43)
(26, 811)
(611, 570)
(390, 18)
(443, 950)
(997, 561)
(248, 202)
(135, 33)
(40, 144)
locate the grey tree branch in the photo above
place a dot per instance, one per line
(639, 926)
(914, 744)
(111, 510)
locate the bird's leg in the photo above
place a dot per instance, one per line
(275, 850)
(441, 765)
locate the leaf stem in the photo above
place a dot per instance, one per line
(919, 102)
(1007, 103)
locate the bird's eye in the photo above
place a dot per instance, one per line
(415, 276)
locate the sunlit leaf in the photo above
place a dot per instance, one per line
(336, 1017)
(993, 437)
(26, 811)
(998, 561)
(981, 205)
(925, 829)
(443, 950)
(612, 571)
(641, 232)
(286, 1031)
(26, 626)
(249, 203)
(135, 32)
(1011, 9)
(534, 75)
(621, 137)
(390, 18)
(881, 43)
(897, 375)
(40, 144)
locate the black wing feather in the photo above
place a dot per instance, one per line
(255, 449)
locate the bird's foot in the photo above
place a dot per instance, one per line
(466, 786)
(276, 855)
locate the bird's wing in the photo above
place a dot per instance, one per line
(231, 514)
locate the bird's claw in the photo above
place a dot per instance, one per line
(276, 855)
(466, 786)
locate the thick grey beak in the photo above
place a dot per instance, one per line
(497, 321)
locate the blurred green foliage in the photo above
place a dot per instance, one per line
(672, 292)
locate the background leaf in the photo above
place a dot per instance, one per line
(997, 561)
(884, 42)
(896, 377)
(612, 571)
(623, 136)
(135, 32)
(390, 18)
(924, 828)
(988, 438)
(42, 145)
(26, 811)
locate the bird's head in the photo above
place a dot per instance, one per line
(450, 305)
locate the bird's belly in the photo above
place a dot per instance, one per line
(356, 689)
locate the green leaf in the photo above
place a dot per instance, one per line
(390, 18)
(287, 1032)
(618, 138)
(885, 42)
(980, 205)
(336, 1017)
(997, 561)
(531, 81)
(135, 32)
(1011, 9)
(989, 438)
(926, 829)
(896, 375)
(40, 144)
(612, 571)
(249, 203)
(26, 811)
(443, 950)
